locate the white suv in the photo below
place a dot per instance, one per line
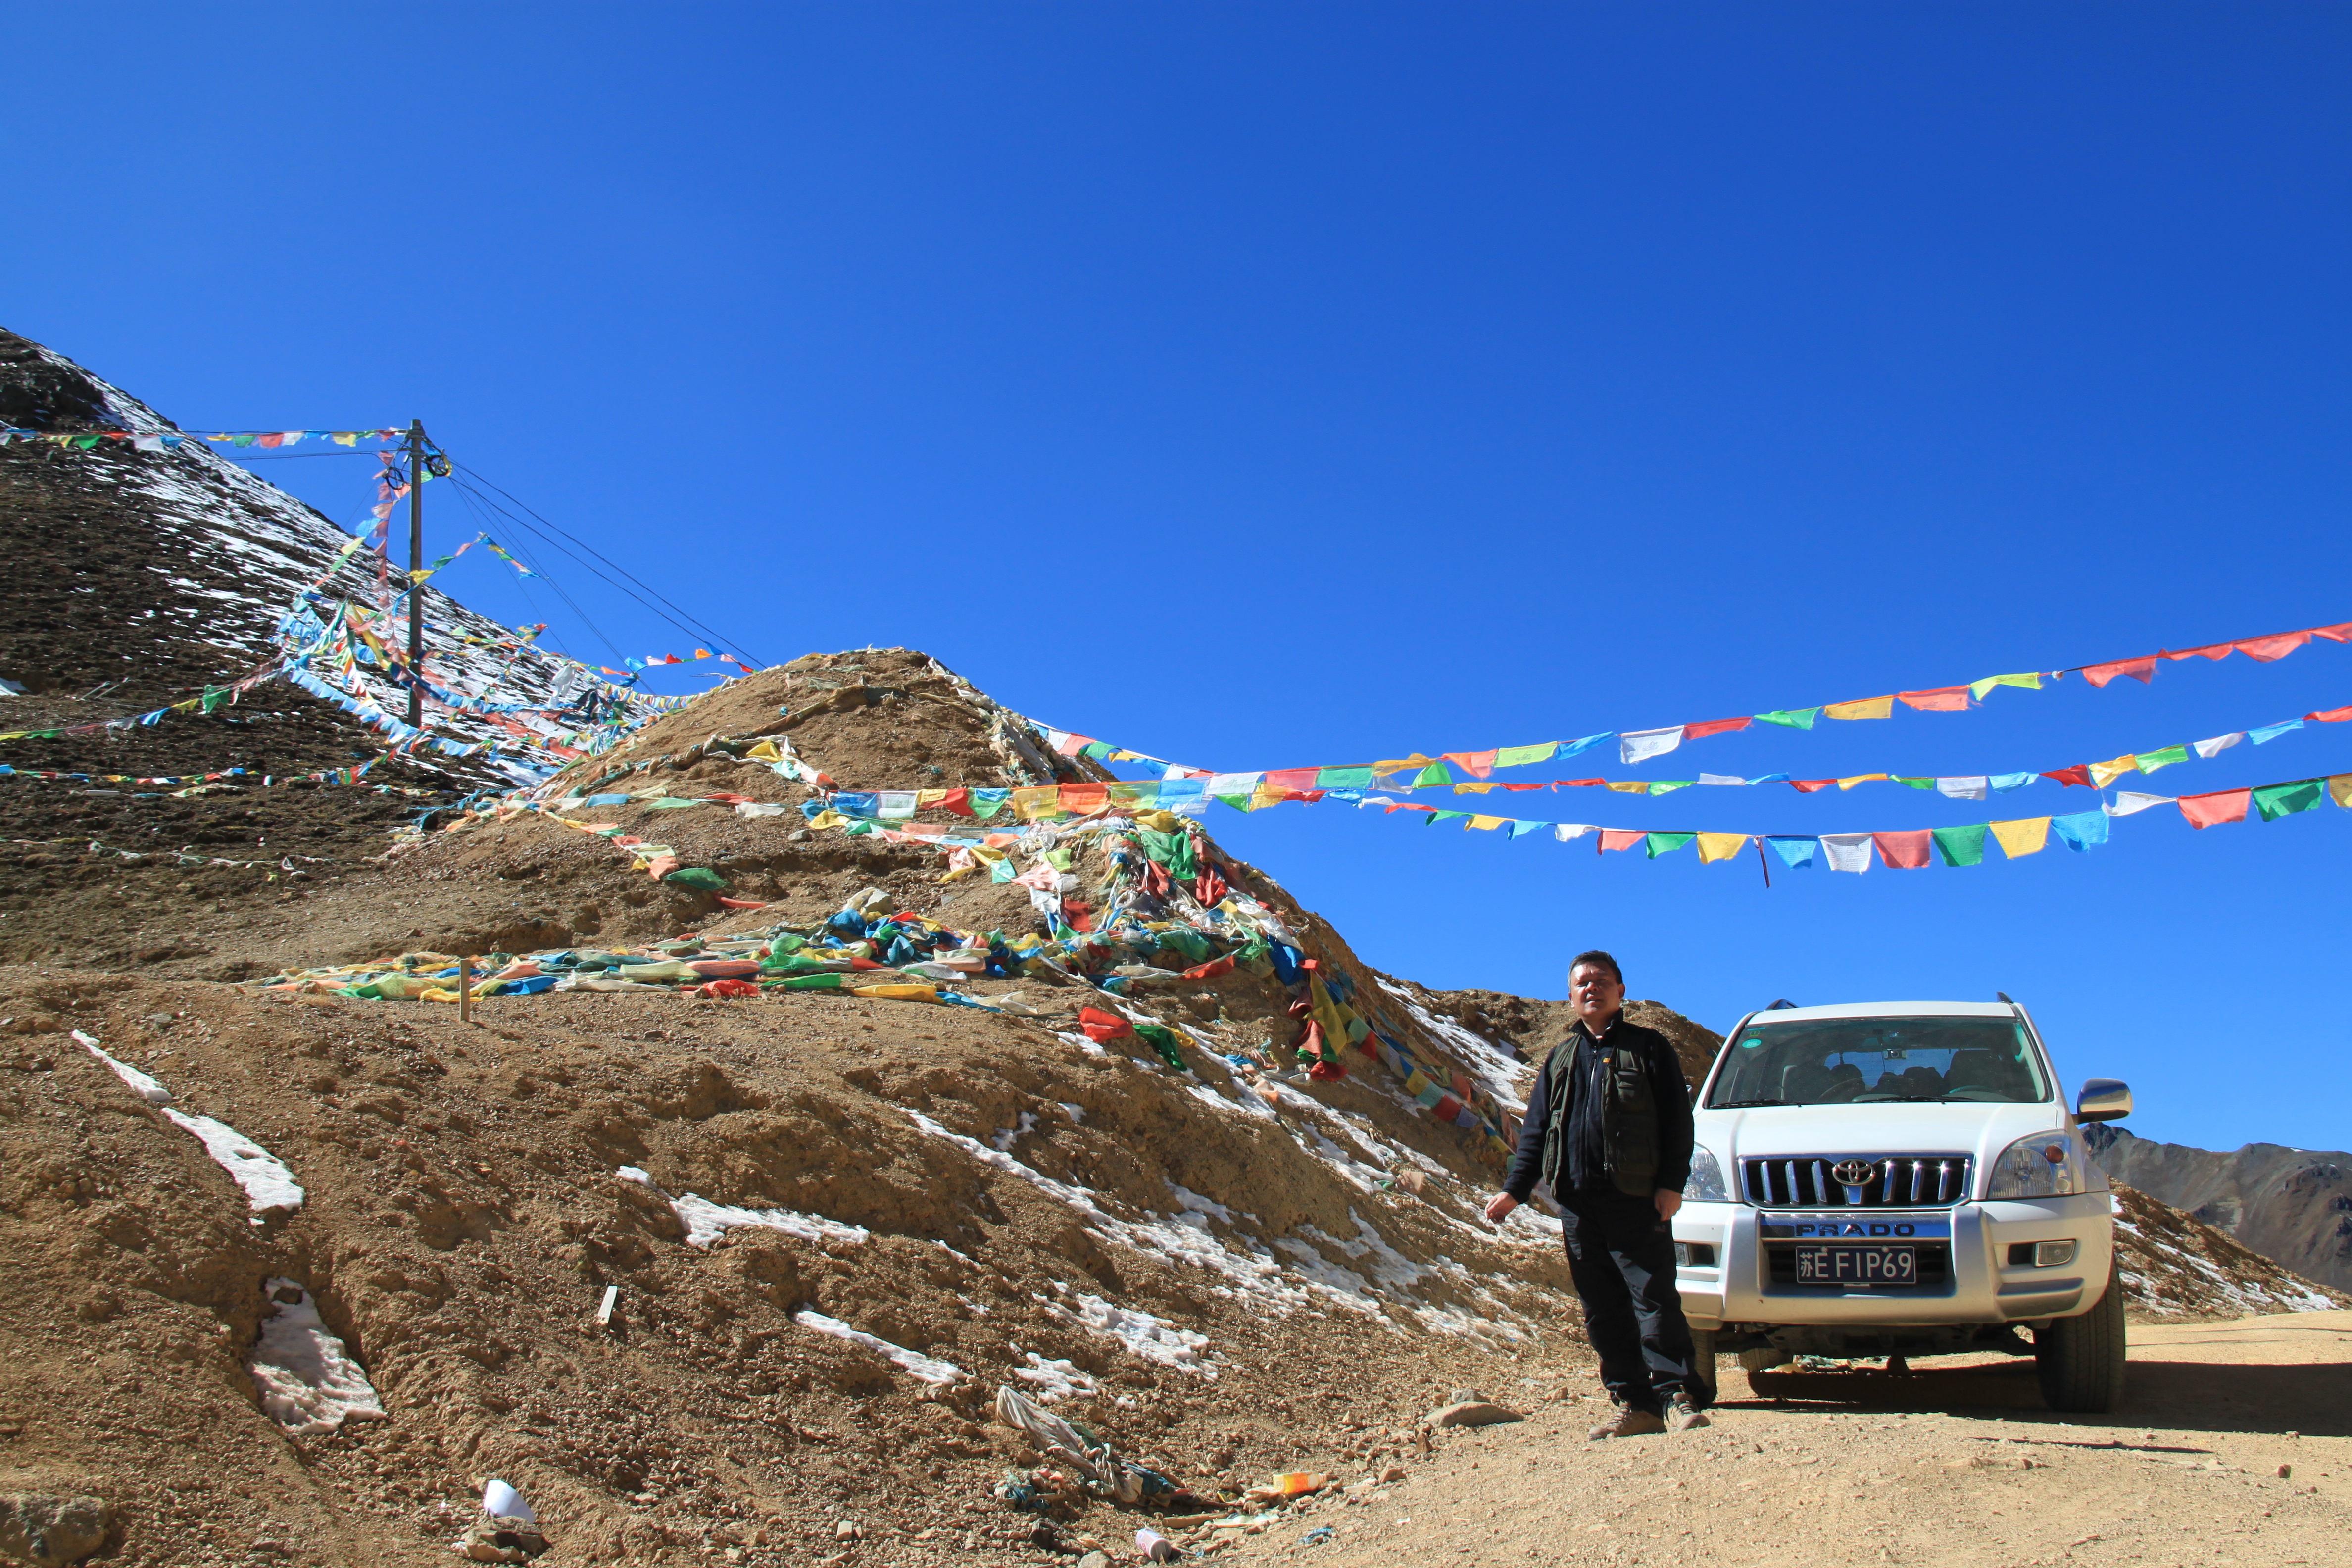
(1901, 1178)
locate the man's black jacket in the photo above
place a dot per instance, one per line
(1580, 1166)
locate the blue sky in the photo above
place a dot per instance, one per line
(1272, 386)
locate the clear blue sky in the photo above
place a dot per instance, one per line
(1267, 386)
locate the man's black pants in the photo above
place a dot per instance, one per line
(1621, 1256)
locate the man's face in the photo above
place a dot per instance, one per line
(1596, 992)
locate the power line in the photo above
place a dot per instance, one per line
(481, 515)
(683, 620)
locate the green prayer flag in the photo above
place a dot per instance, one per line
(2276, 801)
(1172, 852)
(1520, 757)
(1668, 787)
(669, 802)
(1659, 844)
(1961, 846)
(1003, 871)
(2031, 681)
(1238, 802)
(1431, 776)
(697, 876)
(2150, 760)
(983, 807)
(1791, 717)
(1344, 778)
(1916, 784)
(857, 829)
(1448, 817)
(1165, 1042)
(817, 982)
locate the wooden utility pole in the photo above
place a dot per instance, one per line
(416, 565)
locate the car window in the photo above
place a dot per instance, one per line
(1836, 1061)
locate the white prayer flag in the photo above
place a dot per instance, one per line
(1847, 851)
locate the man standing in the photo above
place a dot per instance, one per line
(1608, 1131)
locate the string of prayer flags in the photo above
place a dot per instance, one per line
(1635, 746)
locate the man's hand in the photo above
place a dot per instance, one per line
(1500, 1205)
(1668, 1201)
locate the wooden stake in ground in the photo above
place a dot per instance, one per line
(465, 990)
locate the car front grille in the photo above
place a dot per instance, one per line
(1895, 1181)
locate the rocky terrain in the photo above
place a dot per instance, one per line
(2293, 1205)
(710, 1277)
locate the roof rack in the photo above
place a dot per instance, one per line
(1784, 1002)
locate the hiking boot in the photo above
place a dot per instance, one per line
(1630, 1422)
(1682, 1415)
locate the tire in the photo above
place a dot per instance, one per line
(2080, 1360)
(1703, 1364)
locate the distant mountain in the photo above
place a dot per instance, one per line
(2292, 1205)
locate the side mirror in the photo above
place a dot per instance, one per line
(2103, 1099)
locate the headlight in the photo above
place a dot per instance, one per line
(1706, 1184)
(2041, 1166)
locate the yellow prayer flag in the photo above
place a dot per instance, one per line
(2023, 837)
(1488, 821)
(1399, 765)
(2104, 773)
(927, 798)
(827, 818)
(346, 438)
(1859, 778)
(2339, 789)
(1714, 847)
(1638, 786)
(1037, 801)
(1265, 794)
(1474, 789)
(765, 751)
(1868, 707)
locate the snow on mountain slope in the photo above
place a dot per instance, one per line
(235, 555)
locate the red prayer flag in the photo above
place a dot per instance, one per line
(1577, 783)
(2221, 805)
(2333, 716)
(1293, 778)
(958, 801)
(1905, 851)
(2334, 633)
(1480, 764)
(2080, 773)
(275, 438)
(1103, 1027)
(2269, 648)
(2140, 669)
(1072, 744)
(2210, 650)
(1810, 786)
(1716, 727)
(1447, 1108)
(1942, 700)
(1526, 786)
(1620, 838)
(1084, 800)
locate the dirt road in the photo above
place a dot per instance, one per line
(1952, 1464)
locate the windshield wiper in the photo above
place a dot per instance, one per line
(1741, 1104)
(1900, 1099)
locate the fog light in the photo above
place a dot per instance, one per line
(1694, 1255)
(2040, 1254)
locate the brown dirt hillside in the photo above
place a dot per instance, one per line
(1226, 1271)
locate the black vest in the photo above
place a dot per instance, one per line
(1629, 1117)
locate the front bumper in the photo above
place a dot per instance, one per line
(1980, 1285)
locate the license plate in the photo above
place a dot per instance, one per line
(1857, 1265)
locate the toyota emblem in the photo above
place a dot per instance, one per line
(1853, 1172)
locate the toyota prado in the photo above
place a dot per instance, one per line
(1901, 1179)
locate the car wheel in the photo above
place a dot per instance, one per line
(2080, 1360)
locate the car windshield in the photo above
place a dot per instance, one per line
(1836, 1061)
